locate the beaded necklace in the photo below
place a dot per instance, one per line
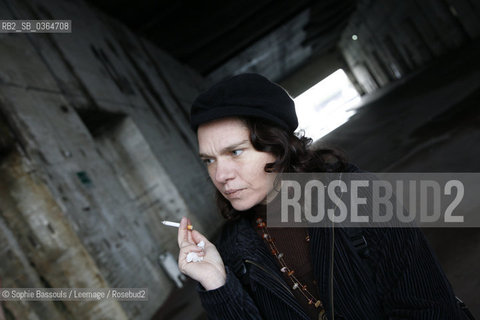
(296, 284)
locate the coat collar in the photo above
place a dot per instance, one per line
(246, 253)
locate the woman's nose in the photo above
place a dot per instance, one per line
(224, 171)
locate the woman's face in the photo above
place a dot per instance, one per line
(235, 167)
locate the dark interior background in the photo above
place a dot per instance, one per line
(95, 147)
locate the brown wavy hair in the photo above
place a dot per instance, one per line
(292, 151)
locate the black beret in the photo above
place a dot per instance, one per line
(246, 94)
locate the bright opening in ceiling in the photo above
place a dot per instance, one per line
(327, 105)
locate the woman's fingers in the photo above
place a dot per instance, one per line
(182, 232)
(204, 265)
(190, 247)
(189, 232)
(197, 237)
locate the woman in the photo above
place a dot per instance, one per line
(245, 127)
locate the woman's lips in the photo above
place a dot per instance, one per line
(232, 193)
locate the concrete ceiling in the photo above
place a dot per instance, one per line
(218, 38)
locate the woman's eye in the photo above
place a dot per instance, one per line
(237, 152)
(207, 161)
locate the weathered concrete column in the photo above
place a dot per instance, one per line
(53, 248)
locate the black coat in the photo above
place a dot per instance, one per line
(406, 283)
(400, 279)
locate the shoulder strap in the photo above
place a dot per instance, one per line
(361, 247)
(465, 309)
(358, 241)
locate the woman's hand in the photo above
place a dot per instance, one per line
(210, 272)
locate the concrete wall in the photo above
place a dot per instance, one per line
(95, 152)
(397, 38)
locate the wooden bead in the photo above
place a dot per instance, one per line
(290, 272)
(318, 303)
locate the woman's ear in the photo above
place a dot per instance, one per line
(269, 167)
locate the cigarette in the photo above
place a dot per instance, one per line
(175, 224)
